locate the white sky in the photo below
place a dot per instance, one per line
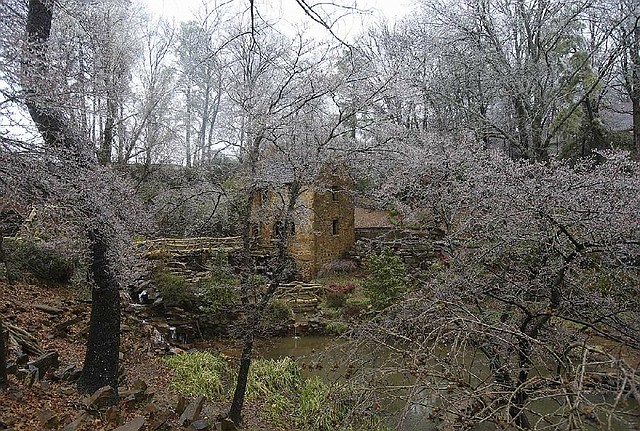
(291, 14)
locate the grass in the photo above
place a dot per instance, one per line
(198, 373)
(287, 398)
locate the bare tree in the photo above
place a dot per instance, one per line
(69, 171)
(527, 313)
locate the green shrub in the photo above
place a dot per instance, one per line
(38, 259)
(174, 289)
(198, 373)
(336, 328)
(356, 306)
(217, 296)
(278, 311)
(219, 289)
(333, 299)
(387, 279)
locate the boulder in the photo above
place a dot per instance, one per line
(76, 423)
(199, 425)
(133, 425)
(48, 419)
(100, 398)
(192, 412)
(44, 362)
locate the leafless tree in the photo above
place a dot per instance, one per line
(527, 314)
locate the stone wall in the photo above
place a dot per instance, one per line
(333, 220)
(323, 219)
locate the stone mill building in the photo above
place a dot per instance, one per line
(322, 228)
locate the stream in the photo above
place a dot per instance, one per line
(320, 356)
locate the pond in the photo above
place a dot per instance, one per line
(325, 357)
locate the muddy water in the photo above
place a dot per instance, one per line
(326, 357)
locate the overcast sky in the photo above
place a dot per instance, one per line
(290, 13)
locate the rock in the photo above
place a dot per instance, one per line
(157, 419)
(132, 397)
(48, 419)
(100, 398)
(139, 385)
(75, 424)
(226, 424)
(31, 375)
(47, 309)
(22, 358)
(44, 362)
(60, 328)
(112, 415)
(12, 367)
(199, 425)
(134, 425)
(192, 412)
(68, 372)
(181, 405)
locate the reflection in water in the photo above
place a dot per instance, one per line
(329, 358)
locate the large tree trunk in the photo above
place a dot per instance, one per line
(101, 360)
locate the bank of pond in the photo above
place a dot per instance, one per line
(326, 383)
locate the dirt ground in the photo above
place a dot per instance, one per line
(52, 404)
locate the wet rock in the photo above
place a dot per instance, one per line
(75, 424)
(192, 412)
(199, 425)
(48, 419)
(68, 372)
(134, 425)
(44, 362)
(100, 398)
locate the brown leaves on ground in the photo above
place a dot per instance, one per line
(42, 311)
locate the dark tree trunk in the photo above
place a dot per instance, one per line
(3, 357)
(256, 312)
(101, 360)
(235, 412)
